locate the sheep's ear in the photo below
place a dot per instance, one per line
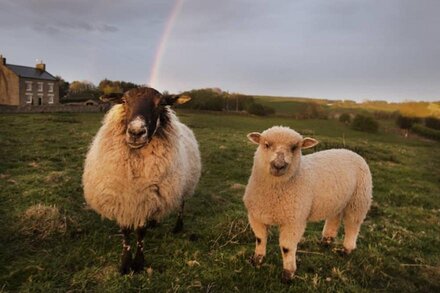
(112, 97)
(309, 142)
(254, 137)
(169, 100)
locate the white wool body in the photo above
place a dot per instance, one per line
(133, 186)
(326, 182)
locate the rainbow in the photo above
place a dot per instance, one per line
(162, 43)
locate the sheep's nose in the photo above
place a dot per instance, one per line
(136, 132)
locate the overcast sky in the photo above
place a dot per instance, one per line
(339, 49)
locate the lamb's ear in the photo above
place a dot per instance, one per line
(254, 137)
(112, 97)
(309, 142)
(168, 100)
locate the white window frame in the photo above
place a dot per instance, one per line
(28, 86)
(50, 98)
(40, 86)
(50, 87)
(29, 98)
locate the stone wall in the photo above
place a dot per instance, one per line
(53, 108)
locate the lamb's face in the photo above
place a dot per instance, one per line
(279, 149)
(145, 113)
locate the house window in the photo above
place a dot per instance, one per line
(40, 99)
(40, 86)
(28, 98)
(50, 99)
(50, 90)
(28, 86)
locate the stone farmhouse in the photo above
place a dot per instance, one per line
(23, 85)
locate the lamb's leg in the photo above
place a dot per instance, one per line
(260, 231)
(179, 224)
(139, 261)
(126, 257)
(330, 230)
(352, 226)
(290, 235)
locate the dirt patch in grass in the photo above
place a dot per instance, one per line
(56, 177)
(42, 221)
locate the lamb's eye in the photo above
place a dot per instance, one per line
(293, 147)
(266, 145)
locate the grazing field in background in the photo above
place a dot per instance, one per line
(51, 241)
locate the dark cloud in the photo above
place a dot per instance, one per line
(337, 49)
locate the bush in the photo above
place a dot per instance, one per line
(260, 110)
(345, 118)
(406, 122)
(432, 122)
(364, 123)
(426, 132)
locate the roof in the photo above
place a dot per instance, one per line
(30, 72)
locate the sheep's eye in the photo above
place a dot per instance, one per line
(293, 147)
(266, 145)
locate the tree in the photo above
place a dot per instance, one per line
(63, 86)
(364, 123)
(81, 86)
(345, 118)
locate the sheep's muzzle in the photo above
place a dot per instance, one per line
(137, 133)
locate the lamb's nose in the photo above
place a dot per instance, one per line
(279, 165)
(136, 132)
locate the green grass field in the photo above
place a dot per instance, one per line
(67, 247)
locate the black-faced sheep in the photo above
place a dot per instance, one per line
(141, 165)
(288, 189)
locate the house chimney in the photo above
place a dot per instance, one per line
(41, 66)
(2, 60)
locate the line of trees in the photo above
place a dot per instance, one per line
(78, 91)
(213, 99)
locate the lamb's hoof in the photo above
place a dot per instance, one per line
(138, 263)
(287, 276)
(327, 241)
(342, 251)
(126, 262)
(179, 226)
(256, 260)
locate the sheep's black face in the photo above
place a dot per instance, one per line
(143, 109)
(146, 113)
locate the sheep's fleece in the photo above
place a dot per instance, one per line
(133, 186)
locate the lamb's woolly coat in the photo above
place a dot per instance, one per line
(132, 186)
(326, 182)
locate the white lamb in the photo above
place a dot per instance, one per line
(141, 165)
(288, 189)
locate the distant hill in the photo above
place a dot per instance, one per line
(291, 106)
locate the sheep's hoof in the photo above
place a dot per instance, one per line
(126, 262)
(152, 224)
(327, 241)
(256, 260)
(138, 263)
(287, 276)
(179, 226)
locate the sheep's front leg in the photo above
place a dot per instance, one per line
(260, 231)
(139, 261)
(179, 224)
(126, 257)
(290, 235)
